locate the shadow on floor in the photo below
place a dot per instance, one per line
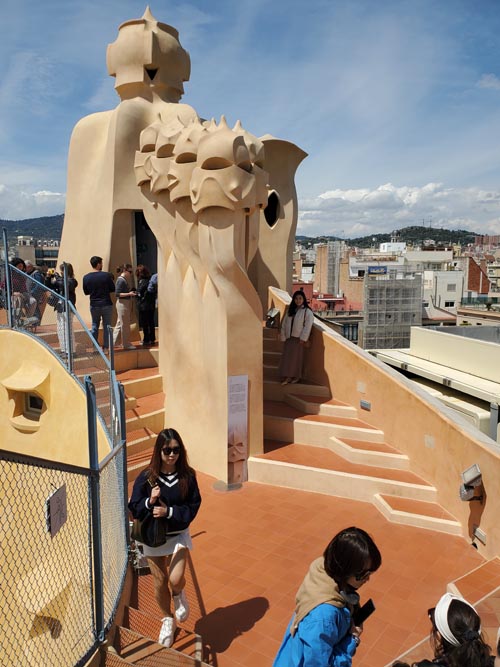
(222, 625)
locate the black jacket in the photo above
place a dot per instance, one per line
(180, 511)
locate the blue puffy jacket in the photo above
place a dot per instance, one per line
(322, 639)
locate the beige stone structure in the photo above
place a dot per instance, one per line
(222, 206)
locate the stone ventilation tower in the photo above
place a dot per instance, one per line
(147, 59)
(221, 203)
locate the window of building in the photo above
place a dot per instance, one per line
(33, 406)
(449, 304)
(451, 287)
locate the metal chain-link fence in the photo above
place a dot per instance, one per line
(113, 532)
(48, 580)
(47, 599)
(63, 529)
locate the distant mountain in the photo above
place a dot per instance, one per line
(49, 227)
(412, 235)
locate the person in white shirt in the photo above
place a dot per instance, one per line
(295, 332)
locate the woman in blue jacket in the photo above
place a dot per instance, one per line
(321, 632)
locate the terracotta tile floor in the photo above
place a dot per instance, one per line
(253, 546)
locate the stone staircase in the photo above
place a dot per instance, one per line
(144, 407)
(315, 442)
(133, 646)
(135, 640)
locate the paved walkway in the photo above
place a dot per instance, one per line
(253, 546)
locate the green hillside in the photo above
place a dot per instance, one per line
(413, 235)
(49, 227)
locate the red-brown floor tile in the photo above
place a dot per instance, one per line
(252, 548)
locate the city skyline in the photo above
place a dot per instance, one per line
(397, 104)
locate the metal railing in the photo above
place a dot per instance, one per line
(48, 315)
(64, 527)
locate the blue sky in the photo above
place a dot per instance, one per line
(397, 103)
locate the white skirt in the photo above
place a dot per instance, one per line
(172, 545)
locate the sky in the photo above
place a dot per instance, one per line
(397, 103)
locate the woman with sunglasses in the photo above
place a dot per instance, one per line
(321, 632)
(169, 491)
(455, 636)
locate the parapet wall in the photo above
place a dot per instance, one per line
(477, 357)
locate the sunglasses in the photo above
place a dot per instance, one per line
(362, 575)
(170, 450)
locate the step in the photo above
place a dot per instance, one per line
(317, 405)
(138, 459)
(272, 358)
(369, 453)
(272, 345)
(285, 423)
(149, 412)
(479, 582)
(139, 358)
(317, 469)
(130, 402)
(141, 440)
(275, 391)
(112, 659)
(411, 512)
(141, 382)
(187, 642)
(139, 649)
(270, 372)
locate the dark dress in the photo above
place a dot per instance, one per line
(146, 305)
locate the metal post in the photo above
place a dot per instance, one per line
(95, 501)
(123, 437)
(111, 347)
(67, 320)
(494, 420)
(7, 278)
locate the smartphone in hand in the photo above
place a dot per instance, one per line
(361, 614)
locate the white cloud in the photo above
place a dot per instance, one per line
(357, 212)
(489, 81)
(17, 204)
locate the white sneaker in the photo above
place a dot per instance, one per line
(167, 631)
(181, 606)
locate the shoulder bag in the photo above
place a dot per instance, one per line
(150, 531)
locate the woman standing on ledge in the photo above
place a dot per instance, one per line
(321, 632)
(168, 489)
(295, 332)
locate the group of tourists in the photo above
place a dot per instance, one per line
(99, 285)
(30, 297)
